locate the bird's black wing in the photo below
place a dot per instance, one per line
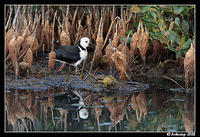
(68, 53)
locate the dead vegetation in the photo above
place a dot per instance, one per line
(189, 67)
(139, 104)
(44, 28)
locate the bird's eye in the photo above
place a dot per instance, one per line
(86, 41)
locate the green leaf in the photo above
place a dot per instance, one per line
(178, 54)
(153, 14)
(175, 7)
(187, 44)
(177, 21)
(171, 48)
(185, 26)
(144, 9)
(185, 38)
(180, 10)
(136, 24)
(177, 38)
(172, 36)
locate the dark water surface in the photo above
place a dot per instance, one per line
(158, 108)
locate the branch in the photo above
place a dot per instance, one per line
(173, 81)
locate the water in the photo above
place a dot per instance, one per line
(57, 109)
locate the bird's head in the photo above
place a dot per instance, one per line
(85, 42)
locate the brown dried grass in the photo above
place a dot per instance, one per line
(158, 49)
(109, 51)
(13, 55)
(143, 43)
(133, 43)
(120, 63)
(28, 57)
(51, 62)
(20, 40)
(139, 104)
(35, 46)
(189, 67)
(9, 36)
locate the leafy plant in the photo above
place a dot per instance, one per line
(172, 25)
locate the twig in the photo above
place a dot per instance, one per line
(173, 81)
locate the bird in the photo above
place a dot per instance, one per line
(74, 54)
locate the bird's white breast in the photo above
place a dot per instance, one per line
(83, 55)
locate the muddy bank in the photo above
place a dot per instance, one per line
(143, 77)
(73, 82)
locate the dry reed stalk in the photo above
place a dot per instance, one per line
(109, 30)
(121, 64)
(109, 51)
(96, 23)
(20, 40)
(139, 104)
(30, 99)
(67, 27)
(35, 44)
(133, 43)
(158, 49)
(98, 111)
(81, 31)
(51, 62)
(65, 35)
(28, 57)
(9, 36)
(73, 26)
(8, 21)
(15, 17)
(89, 24)
(112, 16)
(142, 105)
(123, 24)
(25, 66)
(115, 40)
(10, 33)
(28, 42)
(125, 51)
(64, 39)
(46, 31)
(59, 26)
(143, 45)
(189, 67)
(52, 36)
(41, 28)
(99, 44)
(117, 109)
(51, 104)
(13, 55)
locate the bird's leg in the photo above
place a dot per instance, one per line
(81, 75)
(144, 60)
(68, 73)
(76, 71)
(61, 67)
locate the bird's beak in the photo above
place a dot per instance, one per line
(91, 44)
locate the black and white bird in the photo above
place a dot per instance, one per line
(74, 55)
